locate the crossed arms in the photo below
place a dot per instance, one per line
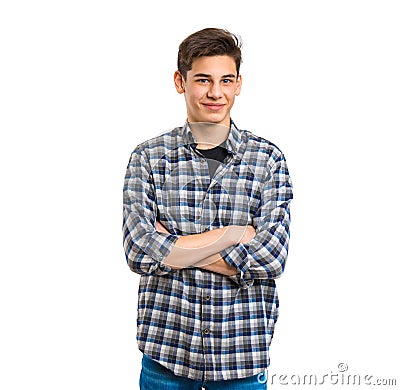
(201, 250)
(246, 252)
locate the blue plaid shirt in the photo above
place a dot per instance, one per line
(197, 323)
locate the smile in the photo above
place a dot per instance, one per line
(213, 106)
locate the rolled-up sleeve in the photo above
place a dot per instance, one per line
(264, 257)
(145, 248)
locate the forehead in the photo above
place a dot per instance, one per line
(213, 65)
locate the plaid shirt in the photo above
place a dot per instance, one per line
(200, 324)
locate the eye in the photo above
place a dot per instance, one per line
(202, 81)
(227, 81)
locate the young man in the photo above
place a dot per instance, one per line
(206, 225)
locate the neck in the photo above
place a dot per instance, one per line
(209, 135)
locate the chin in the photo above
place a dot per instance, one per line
(217, 119)
(206, 117)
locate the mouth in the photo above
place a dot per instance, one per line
(213, 106)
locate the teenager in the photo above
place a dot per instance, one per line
(206, 225)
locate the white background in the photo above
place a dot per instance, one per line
(83, 82)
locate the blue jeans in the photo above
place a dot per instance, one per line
(154, 376)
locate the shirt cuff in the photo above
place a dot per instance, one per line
(237, 257)
(160, 245)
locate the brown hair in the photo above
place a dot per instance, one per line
(206, 43)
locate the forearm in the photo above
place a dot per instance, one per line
(190, 249)
(210, 240)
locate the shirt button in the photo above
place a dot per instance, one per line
(207, 298)
(206, 331)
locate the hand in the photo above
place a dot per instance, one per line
(221, 267)
(248, 234)
(160, 228)
(241, 234)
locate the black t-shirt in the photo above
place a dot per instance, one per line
(214, 157)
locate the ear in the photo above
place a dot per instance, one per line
(179, 82)
(238, 85)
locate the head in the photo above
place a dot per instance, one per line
(209, 42)
(208, 74)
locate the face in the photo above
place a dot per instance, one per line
(210, 89)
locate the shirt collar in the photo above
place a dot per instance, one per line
(232, 143)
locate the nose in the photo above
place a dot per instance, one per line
(215, 91)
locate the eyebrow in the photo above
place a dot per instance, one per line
(208, 75)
